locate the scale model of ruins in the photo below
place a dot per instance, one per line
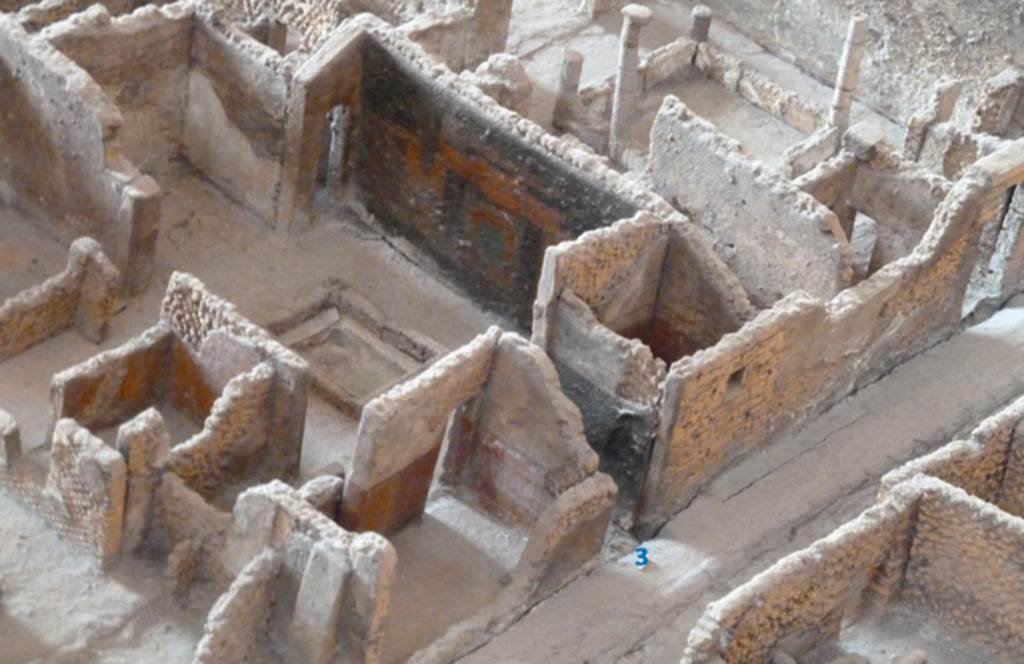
(381, 331)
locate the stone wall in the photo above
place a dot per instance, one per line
(234, 120)
(193, 313)
(713, 409)
(85, 295)
(803, 597)
(333, 588)
(987, 464)
(114, 386)
(62, 124)
(238, 620)
(964, 572)
(774, 237)
(928, 545)
(234, 436)
(912, 45)
(613, 307)
(140, 60)
(37, 15)
(81, 494)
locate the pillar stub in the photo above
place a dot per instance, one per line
(637, 14)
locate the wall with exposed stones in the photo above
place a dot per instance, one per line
(332, 591)
(236, 623)
(81, 494)
(711, 412)
(194, 314)
(85, 296)
(988, 464)
(803, 597)
(234, 436)
(964, 572)
(927, 545)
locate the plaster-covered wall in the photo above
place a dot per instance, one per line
(57, 121)
(774, 237)
(234, 122)
(140, 60)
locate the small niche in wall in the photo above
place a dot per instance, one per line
(734, 384)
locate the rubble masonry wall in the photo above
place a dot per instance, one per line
(233, 438)
(988, 464)
(113, 386)
(194, 313)
(81, 494)
(85, 295)
(964, 571)
(713, 409)
(237, 620)
(806, 593)
(927, 544)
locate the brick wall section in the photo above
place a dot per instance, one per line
(858, 335)
(947, 555)
(85, 295)
(806, 593)
(81, 494)
(977, 464)
(988, 464)
(964, 571)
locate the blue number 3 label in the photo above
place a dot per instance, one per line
(641, 557)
